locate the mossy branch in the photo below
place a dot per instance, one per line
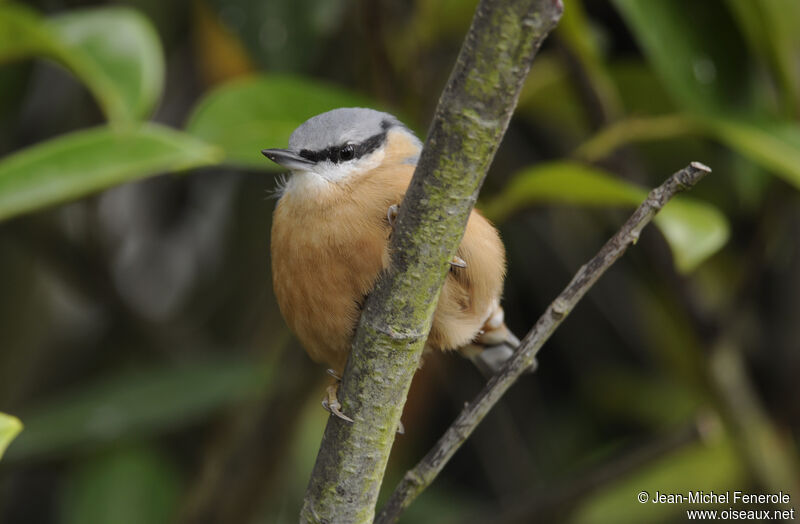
(419, 477)
(470, 120)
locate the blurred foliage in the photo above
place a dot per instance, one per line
(702, 70)
(114, 51)
(145, 353)
(694, 230)
(128, 485)
(137, 404)
(83, 162)
(711, 465)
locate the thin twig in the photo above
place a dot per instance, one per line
(419, 477)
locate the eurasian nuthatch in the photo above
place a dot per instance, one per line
(350, 168)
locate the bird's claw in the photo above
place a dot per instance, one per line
(331, 400)
(391, 214)
(335, 408)
(457, 261)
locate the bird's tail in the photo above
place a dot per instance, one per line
(493, 346)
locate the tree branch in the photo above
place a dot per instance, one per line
(470, 120)
(419, 477)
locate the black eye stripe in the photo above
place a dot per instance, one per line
(333, 153)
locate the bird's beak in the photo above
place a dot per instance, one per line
(287, 159)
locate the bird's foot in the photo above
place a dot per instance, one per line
(331, 401)
(332, 404)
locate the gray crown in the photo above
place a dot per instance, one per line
(340, 126)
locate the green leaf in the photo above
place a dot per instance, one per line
(114, 51)
(135, 404)
(248, 115)
(773, 144)
(694, 230)
(637, 129)
(704, 70)
(124, 61)
(77, 164)
(129, 485)
(561, 183)
(9, 428)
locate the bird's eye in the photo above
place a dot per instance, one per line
(347, 152)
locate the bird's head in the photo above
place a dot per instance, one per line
(337, 146)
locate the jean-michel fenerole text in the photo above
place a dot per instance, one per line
(723, 497)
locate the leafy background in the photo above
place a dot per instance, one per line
(144, 353)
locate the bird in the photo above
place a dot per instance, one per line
(329, 243)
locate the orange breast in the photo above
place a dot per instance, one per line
(326, 255)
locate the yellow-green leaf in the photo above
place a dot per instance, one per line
(772, 144)
(9, 428)
(77, 164)
(694, 230)
(561, 183)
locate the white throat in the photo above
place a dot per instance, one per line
(319, 176)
